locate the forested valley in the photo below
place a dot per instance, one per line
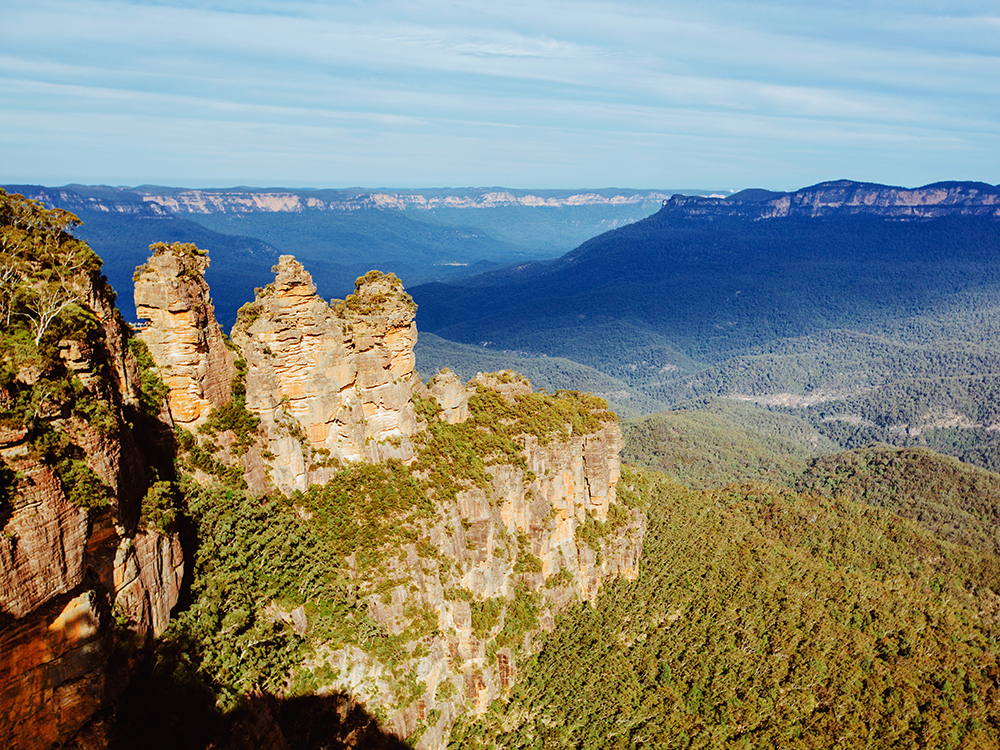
(685, 486)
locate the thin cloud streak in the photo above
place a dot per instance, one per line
(846, 83)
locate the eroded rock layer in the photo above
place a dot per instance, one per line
(79, 574)
(526, 543)
(540, 528)
(330, 383)
(183, 335)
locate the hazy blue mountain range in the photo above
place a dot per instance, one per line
(704, 279)
(420, 235)
(758, 585)
(869, 310)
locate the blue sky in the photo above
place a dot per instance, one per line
(545, 94)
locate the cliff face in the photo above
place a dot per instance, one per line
(330, 384)
(541, 526)
(494, 569)
(79, 577)
(844, 197)
(287, 201)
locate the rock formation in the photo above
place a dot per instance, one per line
(519, 540)
(522, 537)
(79, 575)
(183, 335)
(333, 384)
(330, 383)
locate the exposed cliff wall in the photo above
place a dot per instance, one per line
(183, 335)
(287, 201)
(79, 575)
(844, 197)
(491, 573)
(542, 527)
(513, 511)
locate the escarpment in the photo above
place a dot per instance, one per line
(461, 517)
(845, 197)
(84, 578)
(524, 518)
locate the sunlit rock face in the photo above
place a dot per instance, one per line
(330, 383)
(845, 197)
(333, 383)
(76, 582)
(183, 335)
(520, 534)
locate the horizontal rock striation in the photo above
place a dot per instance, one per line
(78, 574)
(333, 384)
(286, 201)
(330, 383)
(183, 335)
(844, 197)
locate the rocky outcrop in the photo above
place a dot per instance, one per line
(330, 383)
(844, 197)
(451, 395)
(183, 336)
(77, 578)
(333, 383)
(539, 537)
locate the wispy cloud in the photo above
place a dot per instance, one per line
(549, 92)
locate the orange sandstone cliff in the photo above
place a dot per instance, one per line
(334, 384)
(84, 579)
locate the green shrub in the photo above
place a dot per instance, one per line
(160, 506)
(151, 385)
(485, 616)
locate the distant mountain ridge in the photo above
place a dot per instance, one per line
(871, 305)
(845, 197)
(161, 200)
(705, 268)
(420, 235)
(100, 198)
(243, 200)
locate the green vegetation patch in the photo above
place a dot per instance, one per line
(234, 415)
(720, 441)
(153, 389)
(251, 552)
(365, 507)
(371, 294)
(544, 416)
(765, 618)
(955, 501)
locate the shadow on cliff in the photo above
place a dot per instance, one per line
(311, 722)
(167, 706)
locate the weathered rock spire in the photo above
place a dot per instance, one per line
(183, 335)
(330, 383)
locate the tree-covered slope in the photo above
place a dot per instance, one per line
(956, 501)
(720, 442)
(764, 618)
(713, 288)
(870, 311)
